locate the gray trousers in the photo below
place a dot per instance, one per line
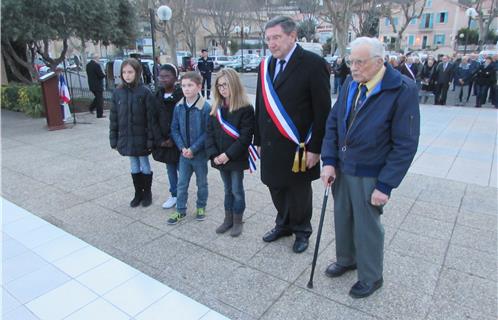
(359, 233)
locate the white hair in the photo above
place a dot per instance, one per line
(376, 47)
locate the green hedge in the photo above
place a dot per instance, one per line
(23, 98)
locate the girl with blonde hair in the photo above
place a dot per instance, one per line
(229, 134)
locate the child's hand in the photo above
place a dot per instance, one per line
(187, 153)
(221, 159)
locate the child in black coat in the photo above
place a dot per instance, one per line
(229, 135)
(165, 149)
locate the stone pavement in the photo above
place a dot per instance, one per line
(441, 225)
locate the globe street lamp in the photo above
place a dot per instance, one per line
(471, 13)
(164, 13)
(242, 30)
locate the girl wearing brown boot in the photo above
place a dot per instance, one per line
(229, 135)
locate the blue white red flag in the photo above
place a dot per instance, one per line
(63, 90)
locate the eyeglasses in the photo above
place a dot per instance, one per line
(222, 85)
(273, 38)
(360, 62)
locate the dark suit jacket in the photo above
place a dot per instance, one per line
(304, 90)
(95, 76)
(444, 76)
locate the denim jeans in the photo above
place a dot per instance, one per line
(172, 169)
(235, 200)
(197, 165)
(140, 164)
(336, 84)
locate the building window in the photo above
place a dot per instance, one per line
(426, 21)
(386, 22)
(413, 21)
(411, 40)
(439, 39)
(442, 17)
(395, 21)
(428, 4)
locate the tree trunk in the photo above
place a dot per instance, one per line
(342, 40)
(15, 55)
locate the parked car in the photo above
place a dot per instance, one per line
(252, 64)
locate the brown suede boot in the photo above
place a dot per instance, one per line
(227, 223)
(237, 225)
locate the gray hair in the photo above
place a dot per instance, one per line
(376, 47)
(288, 25)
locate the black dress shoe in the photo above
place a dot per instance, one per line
(362, 290)
(100, 117)
(275, 234)
(335, 270)
(300, 245)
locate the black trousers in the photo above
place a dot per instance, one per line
(98, 102)
(441, 93)
(294, 206)
(206, 80)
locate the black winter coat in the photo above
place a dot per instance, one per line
(130, 121)
(486, 76)
(162, 115)
(95, 76)
(218, 142)
(304, 90)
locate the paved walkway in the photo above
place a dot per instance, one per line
(50, 274)
(441, 225)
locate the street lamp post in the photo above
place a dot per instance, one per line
(471, 13)
(164, 13)
(242, 30)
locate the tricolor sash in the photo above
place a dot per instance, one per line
(232, 132)
(281, 119)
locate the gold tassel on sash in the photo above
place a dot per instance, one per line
(303, 159)
(297, 165)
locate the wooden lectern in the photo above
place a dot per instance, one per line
(51, 102)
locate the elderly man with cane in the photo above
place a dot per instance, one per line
(370, 141)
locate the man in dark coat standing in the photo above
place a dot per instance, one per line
(443, 78)
(292, 103)
(370, 141)
(205, 65)
(96, 77)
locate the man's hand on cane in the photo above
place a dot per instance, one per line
(328, 175)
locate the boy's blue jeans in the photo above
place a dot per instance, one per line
(197, 165)
(172, 169)
(235, 201)
(140, 164)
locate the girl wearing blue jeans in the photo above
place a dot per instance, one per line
(229, 135)
(129, 130)
(165, 150)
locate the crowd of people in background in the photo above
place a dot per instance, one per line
(467, 75)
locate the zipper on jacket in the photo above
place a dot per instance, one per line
(411, 125)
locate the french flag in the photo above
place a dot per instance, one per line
(63, 90)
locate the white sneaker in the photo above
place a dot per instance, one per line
(170, 203)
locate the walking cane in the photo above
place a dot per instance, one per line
(319, 234)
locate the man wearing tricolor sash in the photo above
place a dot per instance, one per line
(292, 104)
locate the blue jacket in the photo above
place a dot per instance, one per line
(383, 138)
(195, 136)
(464, 74)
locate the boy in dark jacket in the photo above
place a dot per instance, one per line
(229, 134)
(165, 149)
(188, 130)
